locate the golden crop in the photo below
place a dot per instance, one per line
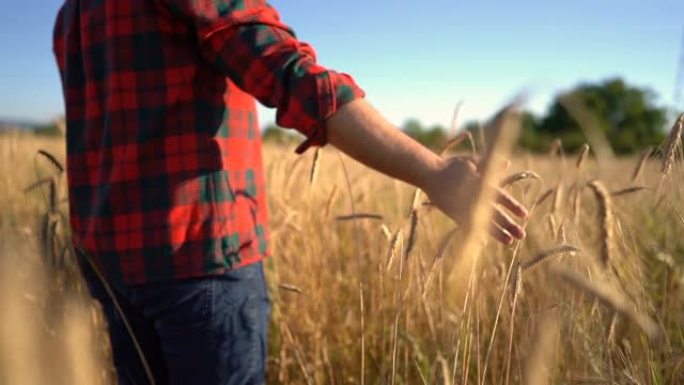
(362, 283)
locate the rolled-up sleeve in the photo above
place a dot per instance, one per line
(246, 40)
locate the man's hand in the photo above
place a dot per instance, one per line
(451, 184)
(452, 188)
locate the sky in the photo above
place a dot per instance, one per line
(418, 61)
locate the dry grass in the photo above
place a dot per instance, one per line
(605, 210)
(673, 146)
(378, 273)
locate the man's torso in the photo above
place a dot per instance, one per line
(164, 153)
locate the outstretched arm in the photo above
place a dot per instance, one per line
(362, 133)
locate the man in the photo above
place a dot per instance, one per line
(165, 171)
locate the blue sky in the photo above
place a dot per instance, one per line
(417, 61)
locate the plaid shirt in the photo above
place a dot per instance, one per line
(163, 145)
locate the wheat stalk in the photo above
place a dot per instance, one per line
(456, 140)
(314, 166)
(518, 177)
(606, 218)
(645, 154)
(290, 288)
(412, 233)
(357, 216)
(53, 160)
(577, 205)
(584, 151)
(627, 190)
(558, 196)
(386, 231)
(674, 142)
(543, 197)
(561, 235)
(539, 257)
(392, 251)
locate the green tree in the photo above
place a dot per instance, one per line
(626, 115)
(531, 136)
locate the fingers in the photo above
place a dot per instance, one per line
(504, 229)
(507, 224)
(500, 234)
(506, 200)
(473, 161)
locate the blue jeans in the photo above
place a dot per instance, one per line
(210, 330)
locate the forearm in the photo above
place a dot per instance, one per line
(359, 131)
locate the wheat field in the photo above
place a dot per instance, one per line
(361, 277)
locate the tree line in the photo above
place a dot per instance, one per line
(626, 114)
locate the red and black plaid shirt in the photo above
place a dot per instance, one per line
(163, 145)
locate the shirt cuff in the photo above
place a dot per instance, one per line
(337, 89)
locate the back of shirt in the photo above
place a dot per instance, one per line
(163, 150)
